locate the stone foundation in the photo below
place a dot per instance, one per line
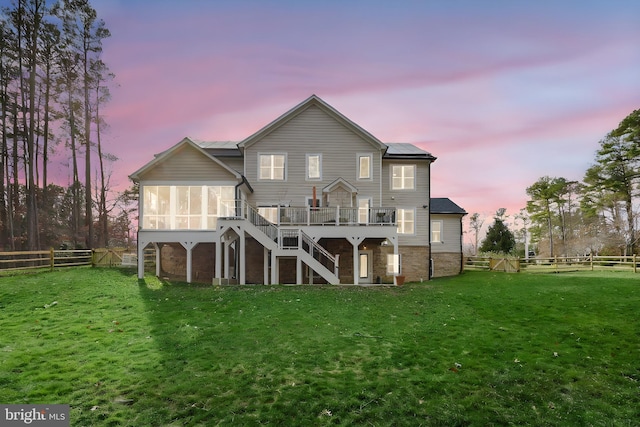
(173, 261)
(446, 264)
(415, 262)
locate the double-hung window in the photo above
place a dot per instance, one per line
(272, 167)
(365, 166)
(403, 177)
(314, 167)
(406, 221)
(436, 231)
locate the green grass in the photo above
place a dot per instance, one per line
(478, 349)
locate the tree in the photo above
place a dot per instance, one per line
(499, 238)
(629, 128)
(48, 79)
(613, 180)
(524, 230)
(83, 33)
(543, 193)
(475, 223)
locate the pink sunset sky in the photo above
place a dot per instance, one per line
(501, 92)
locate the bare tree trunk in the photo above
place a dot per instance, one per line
(102, 204)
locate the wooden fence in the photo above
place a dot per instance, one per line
(54, 258)
(554, 264)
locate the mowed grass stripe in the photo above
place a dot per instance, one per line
(477, 349)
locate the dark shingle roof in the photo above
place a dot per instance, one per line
(444, 205)
(402, 150)
(219, 148)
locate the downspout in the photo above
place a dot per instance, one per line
(461, 246)
(243, 180)
(429, 260)
(380, 204)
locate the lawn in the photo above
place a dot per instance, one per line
(478, 349)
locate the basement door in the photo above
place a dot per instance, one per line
(365, 268)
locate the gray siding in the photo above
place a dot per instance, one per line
(187, 164)
(311, 132)
(410, 199)
(450, 234)
(235, 163)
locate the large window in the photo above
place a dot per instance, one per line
(393, 263)
(185, 207)
(272, 167)
(403, 177)
(269, 213)
(436, 232)
(365, 163)
(314, 167)
(406, 221)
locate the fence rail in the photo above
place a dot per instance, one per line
(553, 264)
(54, 258)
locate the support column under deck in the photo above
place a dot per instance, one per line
(355, 242)
(189, 247)
(265, 262)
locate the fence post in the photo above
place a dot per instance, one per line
(51, 257)
(635, 269)
(591, 261)
(93, 258)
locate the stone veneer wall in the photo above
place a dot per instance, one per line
(173, 261)
(415, 262)
(414, 259)
(446, 264)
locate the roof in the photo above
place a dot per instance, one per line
(337, 183)
(444, 205)
(219, 148)
(403, 150)
(313, 100)
(163, 156)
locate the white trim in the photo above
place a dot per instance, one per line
(170, 219)
(441, 222)
(401, 221)
(360, 156)
(394, 264)
(272, 154)
(307, 199)
(360, 209)
(415, 170)
(319, 177)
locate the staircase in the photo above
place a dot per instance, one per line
(288, 242)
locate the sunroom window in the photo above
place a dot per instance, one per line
(185, 207)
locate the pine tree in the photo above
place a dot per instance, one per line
(499, 238)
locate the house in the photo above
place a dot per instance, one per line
(446, 237)
(310, 198)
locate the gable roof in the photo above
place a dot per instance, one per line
(340, 182)
(444, 205)
(163, 156)
(313, 100)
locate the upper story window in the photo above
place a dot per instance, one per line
(406, 221)
(403, 177)
(272, 167)
(365, 166)
(314, 167)
(436, 232)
